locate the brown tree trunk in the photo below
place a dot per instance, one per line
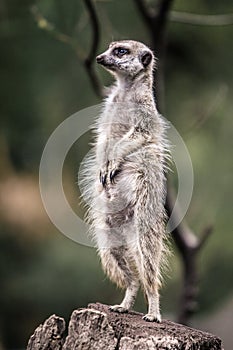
(95, 327)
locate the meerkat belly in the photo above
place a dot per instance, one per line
(118, 198)
(121, 196)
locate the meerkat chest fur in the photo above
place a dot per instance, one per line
(129, 110)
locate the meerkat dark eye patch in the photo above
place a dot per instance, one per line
(120, 51)
(146, 58)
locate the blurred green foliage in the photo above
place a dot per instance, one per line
(42, 83)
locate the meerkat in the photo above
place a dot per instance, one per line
(124, 178)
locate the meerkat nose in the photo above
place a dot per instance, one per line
(100, 59)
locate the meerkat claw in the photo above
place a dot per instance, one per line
(113, 174)
(118, 308)
(103, 178)
(152, 318)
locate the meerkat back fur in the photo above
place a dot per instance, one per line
(124, 181)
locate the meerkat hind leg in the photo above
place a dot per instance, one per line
(128, 300)
(153, 314)
(131, 281)
(116, 265)
(151, 283)
(150, 255)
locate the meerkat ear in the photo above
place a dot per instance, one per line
(146, 58)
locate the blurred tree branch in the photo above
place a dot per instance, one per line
(201, 20)
(90, 59)
(208, 111)
(148, 13)
(49, 27)
(189, 247)
(86, 59)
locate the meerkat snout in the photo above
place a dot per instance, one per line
(105, 61)
(100, 59)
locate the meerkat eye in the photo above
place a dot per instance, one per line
(120, 51)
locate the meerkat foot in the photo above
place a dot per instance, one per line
(118, 308)
(152, 318)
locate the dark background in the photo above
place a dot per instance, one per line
(42, 83)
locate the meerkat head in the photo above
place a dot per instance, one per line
(127, 58)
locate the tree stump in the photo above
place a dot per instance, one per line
(96, 327)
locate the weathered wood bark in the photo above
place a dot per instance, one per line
(49, 335)
(95, 327)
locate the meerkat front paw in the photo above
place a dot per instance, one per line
(152, 318)
(118, 308)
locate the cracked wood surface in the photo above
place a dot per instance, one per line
(96, 327)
